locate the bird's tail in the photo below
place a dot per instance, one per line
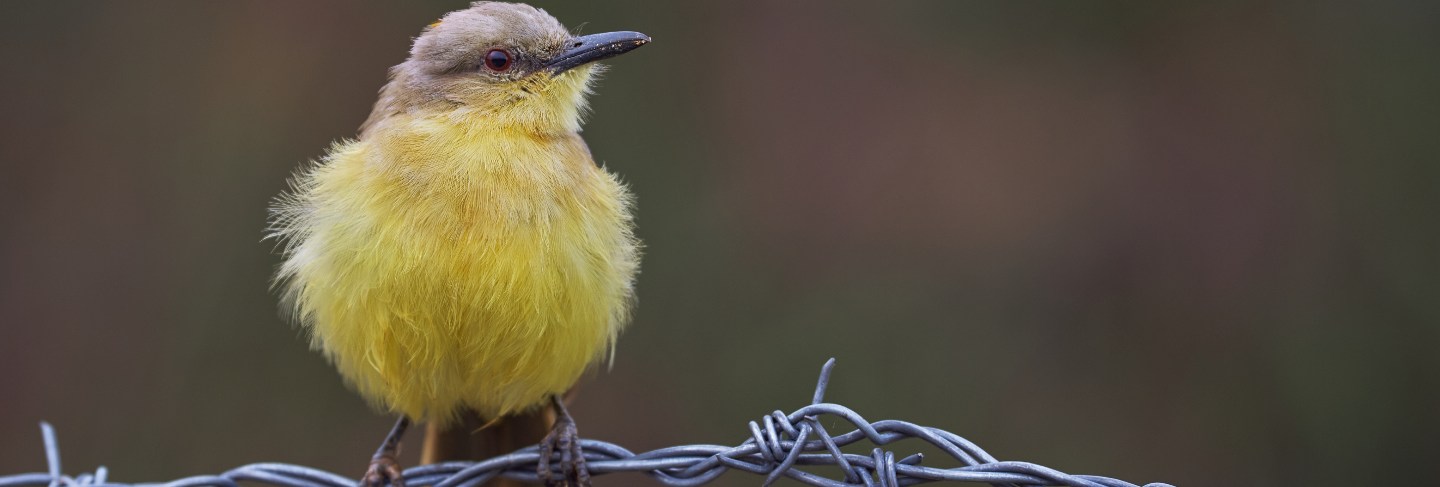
(475, 438)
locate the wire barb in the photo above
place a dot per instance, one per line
(778, 446)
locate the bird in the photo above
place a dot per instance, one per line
(463, 260)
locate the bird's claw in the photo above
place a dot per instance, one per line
(383, 469)
(565, 438)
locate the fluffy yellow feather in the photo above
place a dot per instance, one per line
(465, 251)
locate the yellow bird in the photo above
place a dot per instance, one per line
(464, 259)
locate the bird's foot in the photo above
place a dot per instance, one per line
(565, 438)
(383, 469)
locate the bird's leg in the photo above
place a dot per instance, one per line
(566, 438)
(383, 466)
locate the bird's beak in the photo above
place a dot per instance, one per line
(594, 47)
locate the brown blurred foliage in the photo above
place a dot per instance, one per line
(1192, 243)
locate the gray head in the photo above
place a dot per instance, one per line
(505, 63)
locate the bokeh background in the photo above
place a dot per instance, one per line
(1160, 241)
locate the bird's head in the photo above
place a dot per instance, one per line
(505, 63)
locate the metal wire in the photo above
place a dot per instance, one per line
(778, 445)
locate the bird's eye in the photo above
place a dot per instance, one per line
(497, 60)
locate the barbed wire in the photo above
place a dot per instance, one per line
(778, 445)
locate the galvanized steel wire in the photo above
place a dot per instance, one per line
(779, 445)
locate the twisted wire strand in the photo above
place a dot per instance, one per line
(778, 446)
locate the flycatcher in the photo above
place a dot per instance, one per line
(464, 259)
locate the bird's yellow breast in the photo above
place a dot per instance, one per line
(442, 264)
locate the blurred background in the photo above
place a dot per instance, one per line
(1192, 243)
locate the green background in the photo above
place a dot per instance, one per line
(1160, 241)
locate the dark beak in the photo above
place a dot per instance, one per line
(594, 47)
